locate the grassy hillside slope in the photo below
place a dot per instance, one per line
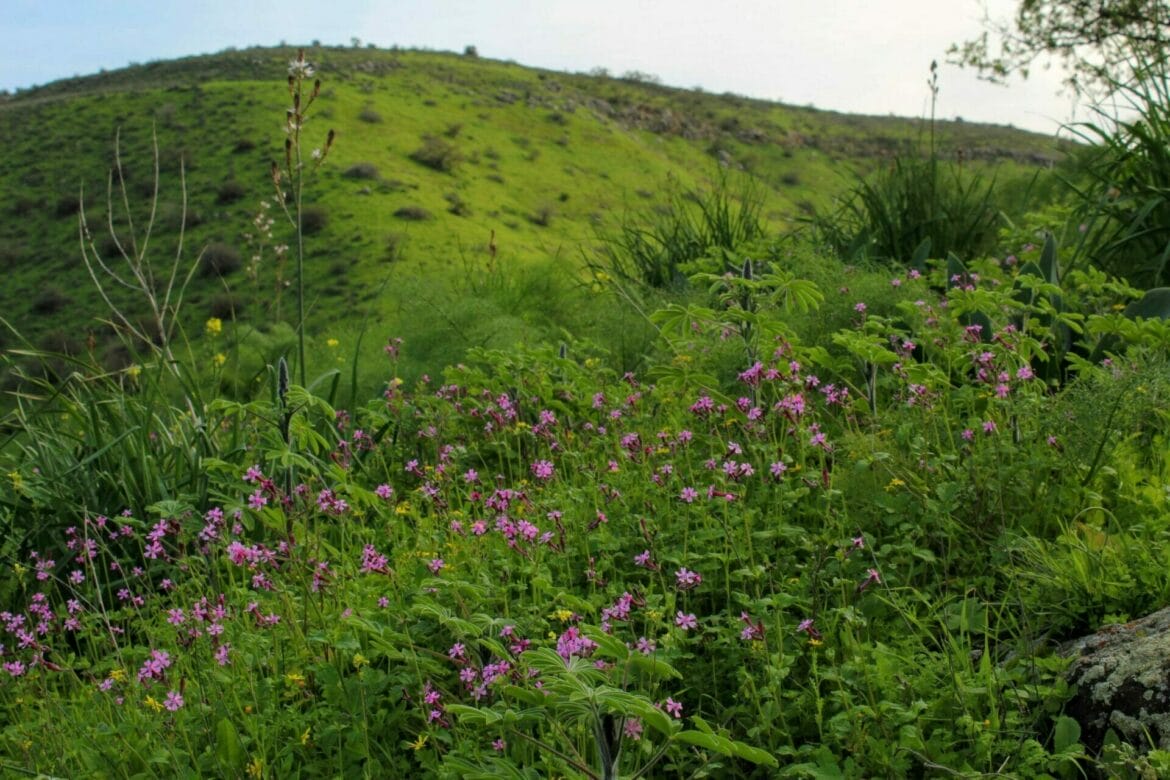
(548, 161)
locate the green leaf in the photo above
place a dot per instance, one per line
(1066, 734)
(228, 748)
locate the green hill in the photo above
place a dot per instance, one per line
(434, 153)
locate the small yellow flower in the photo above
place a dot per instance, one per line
(295, 678)
(17, 480)
(895, 483)
(151, 702)
(419, 743)
(219, 359)
(214, 326)
(305, 736)
(402, 509)
(134, 371)
(563, 615)
(360, 660)
(653, 614)
(118, 675)
(256, 767)
(592, 363)
(332, 343)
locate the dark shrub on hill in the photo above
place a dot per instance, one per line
(24, 207)
(230, 191)
(457, 205)
(370, 115)
(413, 213)
(66, 206)
(50, 301)
(244, 145)
(437, 154)
(225, 306)
(362, 170)
(171, 217)
(314, 219)
(219, 259)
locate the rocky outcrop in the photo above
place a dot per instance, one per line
(1121, 676)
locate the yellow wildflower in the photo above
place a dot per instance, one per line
(305, 736)
(17, 480)
(360, 660)
(895, 483)
(134, 371)
(214, 326)
(332, 343)
(402, 509)
(219, 359)
(118, 675)
(295, 678)
(563, 615)
(419, 743)
(256, 767)
(151, 702)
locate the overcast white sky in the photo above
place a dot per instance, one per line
(860, 56)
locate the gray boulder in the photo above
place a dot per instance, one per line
(1121, 676)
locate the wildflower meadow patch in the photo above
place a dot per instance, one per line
(835, 524)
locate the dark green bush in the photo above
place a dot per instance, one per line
(413, 213)
(230, 191)
(314, 219)
(219, 259)
(437, 154)
(361, 170)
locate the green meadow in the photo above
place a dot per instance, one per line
(411, 414)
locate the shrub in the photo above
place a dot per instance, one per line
(413, 213)
(225, 306)
(654, 248)
(456, 205)
(230, 191)
(50, 301)
(890, 214)
(370, 116)
(314, 219)
(542, 216)
(437, 154)
(219, 259)
(361, 170)
(1125, 210)
(244, 145)
(66, 206)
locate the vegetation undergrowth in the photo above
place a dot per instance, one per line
(804, 519)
